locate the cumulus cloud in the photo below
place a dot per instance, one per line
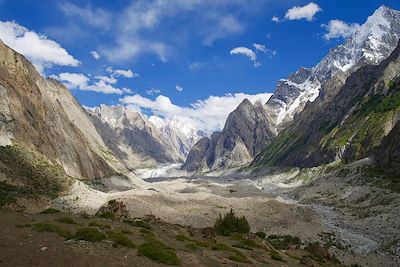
(339, 29)
(208, 115)
(41, 51)
(79, 81)
(153, 91)
(246, 52)
(95, 54)
(303, 12)
(179, 88)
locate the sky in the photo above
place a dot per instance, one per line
(192, 59)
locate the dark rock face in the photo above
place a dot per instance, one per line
(246, 131)
(347, 125)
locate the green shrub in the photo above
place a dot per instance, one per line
(261, 235)
(242, 246)
(107, 215)
(50, 211)
(245, 240)
(230, 224)
(157, 251)
(47, 227)
(65, 220)
(100, 225)
(239, 258)
(10, 193)
(283, 242)
(120, 239)
(275, 256)
(127, 232)
(182, 238)
(89, 234)
(138, 223)
(192, 246)
(146, 232)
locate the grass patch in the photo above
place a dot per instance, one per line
(240, 245)
(283, 242)
(158, 252)
(47, 227)
(239, 258)
(192, 246)
(120, 239)
(138, 223)
(146, 232)
(107, 215)
(182, 238)
(89, 234)
(66, 220)
(275, 256)
(247, 241)
(10, 193)
(50, 211)
(127, 232)
(99, 225)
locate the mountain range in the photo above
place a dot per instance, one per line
(370, 44)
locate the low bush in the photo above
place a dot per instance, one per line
(283, 242)
(120, 239)
(157, 251)
(239, 258)
(275, 256)
(230, 224)
(107, 215)
(261, 235)
(182, 238)
(65, 220)
(138, 223)
(89, 234)
(47, 227)
(50, 211)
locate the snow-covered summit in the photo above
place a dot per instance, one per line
(369, 44)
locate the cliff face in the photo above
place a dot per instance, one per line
(347, 126)
(245, 133)
(42, 114)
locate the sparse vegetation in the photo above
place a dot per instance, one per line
(182, 238)
(157, 251)
(66, 220)
(120, 239)
(261, 235)
(50, 211)
(230, 224)
(283, 242)
(275, 256)
(239, 258)
(138, 223)
(89, 234)
(47, 227)
(107, 215)
(99, 225)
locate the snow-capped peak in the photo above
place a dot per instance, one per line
(369, 44)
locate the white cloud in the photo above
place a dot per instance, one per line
(225, 26)
(208, 115)
(179, 88)
(96, 17)
(276, 19)
(153, 91)
(95, 54)
(81, 82)
(339, 29)
(124, 73)
(42, 52)
(260, 47)
(303, 12)
(246, 52)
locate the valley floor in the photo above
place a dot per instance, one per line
(314, 206)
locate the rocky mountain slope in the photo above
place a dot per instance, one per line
(246, 131)
(41, 115)
(347, 126)
(370, 44)
(133, 138)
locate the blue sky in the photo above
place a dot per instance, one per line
(180, 44)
